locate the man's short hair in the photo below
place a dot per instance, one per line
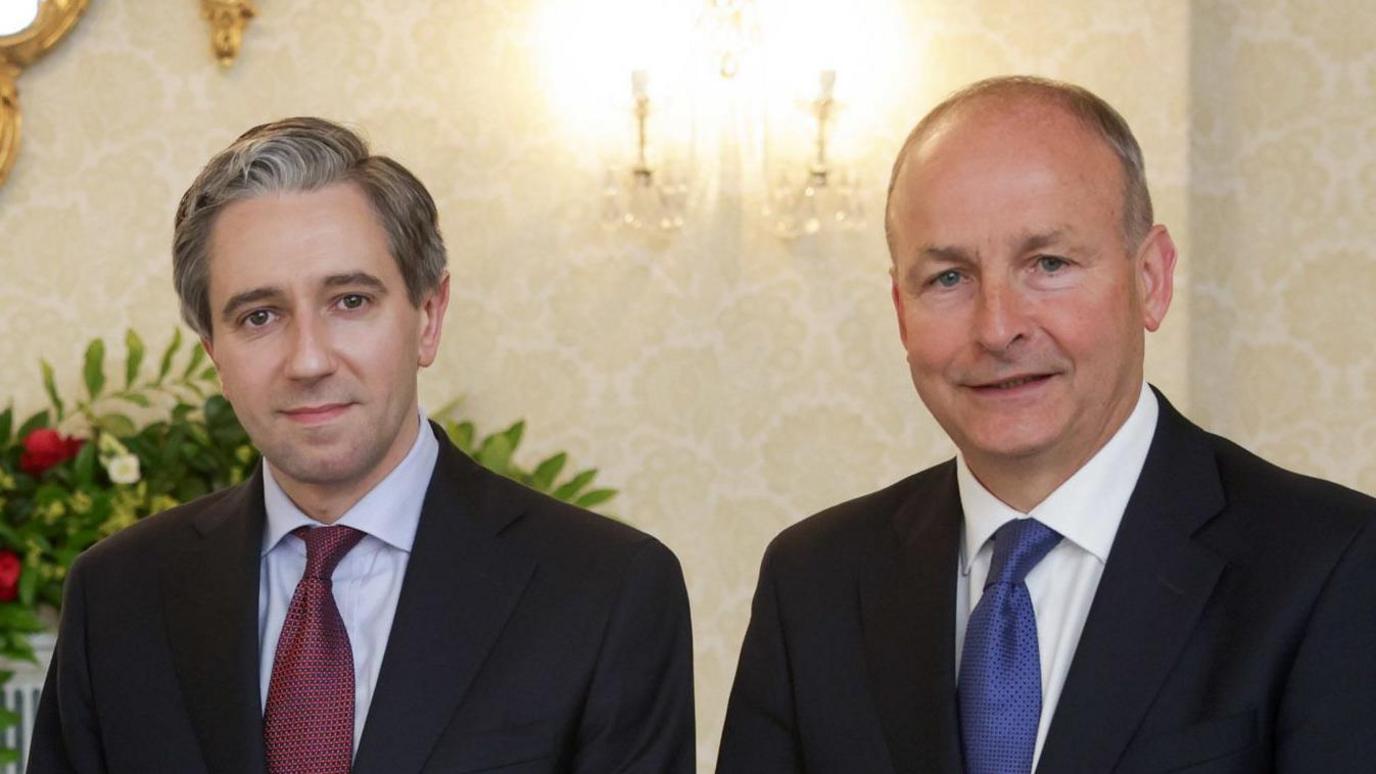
(300, 155)
(1094, 114)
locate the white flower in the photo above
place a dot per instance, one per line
(123, 469)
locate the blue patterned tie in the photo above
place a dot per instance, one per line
(1000, 667)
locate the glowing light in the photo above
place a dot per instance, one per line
(17, 15)
(589, 50)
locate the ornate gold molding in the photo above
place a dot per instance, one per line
(227, 18)
(55, 19)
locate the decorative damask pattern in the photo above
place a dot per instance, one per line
(729, 383)
(1282, 204)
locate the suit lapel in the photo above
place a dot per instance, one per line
(210, 600)
(1152, 592)
(907, 597)
(459, 590)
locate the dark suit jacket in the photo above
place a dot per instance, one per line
(1234, 630)
(530, 636)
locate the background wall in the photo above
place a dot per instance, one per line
(1283, 210)
(728, 382)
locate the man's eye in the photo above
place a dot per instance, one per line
(1051, 264)
(257, 319)
(353, 301)
(947, 279)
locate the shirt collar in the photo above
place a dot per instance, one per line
(390, 511)
(1087, 508)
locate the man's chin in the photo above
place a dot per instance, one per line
(1008, 444)
(318, 466)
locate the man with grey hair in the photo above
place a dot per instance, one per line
(370, 600)
(1094, 584)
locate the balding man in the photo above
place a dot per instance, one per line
(1094, 584)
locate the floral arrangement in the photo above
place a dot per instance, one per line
(71, 474)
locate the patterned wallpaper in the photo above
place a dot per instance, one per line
(1283, 206)
(728, 382)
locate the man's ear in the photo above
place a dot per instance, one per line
(1155, 276)
(208, 344)
(898, 305)
(432, 321)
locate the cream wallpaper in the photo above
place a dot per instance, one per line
(728, 382)
(1283, 205)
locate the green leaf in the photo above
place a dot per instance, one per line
(94, 370)
(197, 357)
(33, 423)
(6, 425)
(165, 367)
(136, 398)
(574, 485)
(133, 360)
(181, 411)
(217, 410)
(495, 453)
(9, 755)
(461, 433)
(547, 471)
(28, 587)
(117, 425)
(594, 498)
(15, 617)
(513, 434)
(50, 386)
(208, 374)
(85, 464)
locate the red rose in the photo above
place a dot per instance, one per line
(10, 569)
(44, 448)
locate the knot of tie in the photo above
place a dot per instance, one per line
(1018, 546)
(325, 546)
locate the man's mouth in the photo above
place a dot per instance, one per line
(317, 413)
(1013, 382)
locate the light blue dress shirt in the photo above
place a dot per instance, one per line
(367, 582)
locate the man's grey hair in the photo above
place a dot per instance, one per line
(1092, 111)
(301, 155)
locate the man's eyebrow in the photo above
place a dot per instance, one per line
(1033, 242)
(356, 278)
(946, 254)
(941, 254)
(239, 300)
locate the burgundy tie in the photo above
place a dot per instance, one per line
(308, 727)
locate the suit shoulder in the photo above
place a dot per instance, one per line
(844, 527)
(563, 528)
(1255, 483)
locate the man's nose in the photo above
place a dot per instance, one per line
(1001, 318)
(311, 355)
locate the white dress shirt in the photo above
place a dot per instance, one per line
(1086, 510)
(367, 581)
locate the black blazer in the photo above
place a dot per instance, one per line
(1234, 630)
(530, 636)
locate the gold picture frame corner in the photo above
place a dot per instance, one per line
(19, 50)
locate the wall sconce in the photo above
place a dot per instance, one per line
(733, 28)
(227, 18)
(820, 196)
(647, 199)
